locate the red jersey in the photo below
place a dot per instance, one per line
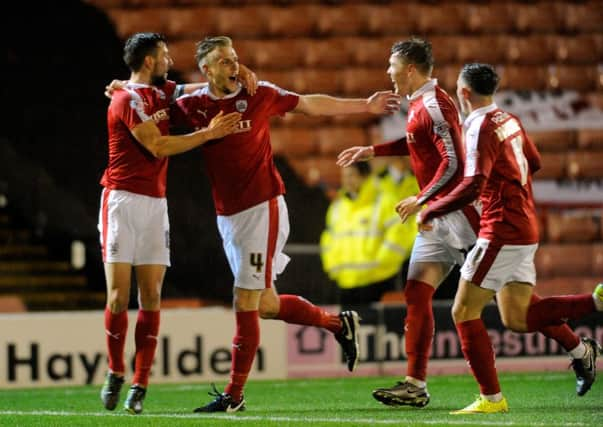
(499, 149)
(131, 167)
(240, 166)
(433, 140)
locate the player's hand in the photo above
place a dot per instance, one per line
(355, 154)
(224, 124)
(248, 79)
(423, 226)
(384, 102)
(113, 86)
(408, 207)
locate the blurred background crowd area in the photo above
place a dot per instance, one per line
(57, 58)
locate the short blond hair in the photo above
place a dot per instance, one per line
(207, 45)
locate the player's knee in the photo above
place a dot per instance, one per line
(462, 312)
(514, 323)
(268, 310)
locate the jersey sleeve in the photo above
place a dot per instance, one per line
(398, 147)
(183, 113)
(532, 154)
(482, 150)
(282, 101)
(129, 107)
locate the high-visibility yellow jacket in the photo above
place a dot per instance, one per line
(364, 241)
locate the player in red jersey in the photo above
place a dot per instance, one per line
(500, 161)
(252, 215)
(434, 144)
(133, 219)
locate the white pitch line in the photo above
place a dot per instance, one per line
(336, 420)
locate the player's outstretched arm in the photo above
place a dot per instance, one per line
(148, 134)
(355, 154)
(324, 105)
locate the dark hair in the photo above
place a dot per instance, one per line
(139, 46)
(481, 78)
(207, 45)
(363, 168)
(415, 51)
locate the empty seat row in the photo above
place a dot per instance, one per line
(574, 165)
(572, 225)
(298, 142)
(578, 259)
(264, 20)
(568, 139)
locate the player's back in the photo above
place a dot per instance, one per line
(508, 210)
(435, 141)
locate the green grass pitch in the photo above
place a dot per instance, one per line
(536, 399)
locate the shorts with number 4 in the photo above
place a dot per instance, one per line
(253, 241)
(491, 266)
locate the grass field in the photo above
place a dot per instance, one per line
(546, 399)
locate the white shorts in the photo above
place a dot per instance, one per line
(134, 228)
(492, 266)
(447, 242)
(254, 240)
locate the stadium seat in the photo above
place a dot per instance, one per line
(317, 171)
(573, 77)
(246, 21)
(443, 18)
(342, 20)
(293, 142)
(532, 49)
(333, 140)
(447, 76)
(486, 48)
(553, 166)
(301, 120)
(293, 21)
(283, 79)
(538, 17)
(327, 81)
(369, 52)
(395, 19)
(191, 22)
(183, 54)
(590, 139)
(584, 17)
(572, 226)
(564, 259)
(445, 48)
(578, 49)
(495, 18)
(130, 21)
(585, 164)
(271, 54)
(571, 285)
(364, 81)
(523, 77)
(597, 260)
(325, 53)
(554, 140)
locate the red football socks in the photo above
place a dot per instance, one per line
(244, 347)
(563, 334)
(146, 335)
(477, 348)
(116, 327)
(555, 310)
(297, 310)
(418, 327)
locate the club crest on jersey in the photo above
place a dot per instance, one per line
(241, 105)
(410, 137)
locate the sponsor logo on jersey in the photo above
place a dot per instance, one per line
(243, 126)
(160, 115)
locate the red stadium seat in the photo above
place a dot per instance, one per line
(533, 49)
(342, 20)
(572, 226)
(573, 77)
(564, 260)
(301, 120)
(191, 22)
(333, 140)
(293, 21)
(445, 48)
(326, 53)
(183, 54)
(130, 21)
(326, 81)
(523, 77)
(395, 19)
(443, 18)
(597, 261)
(538, 17)
(554, 140)
(365, 81)
(318, 171)
(566, 285)
(293, 142)
(447, 76)
(553, 166)
(271, 54)
(283, 79)
(579, 49)
(369, 52)
(585, 164)
(246, 21)
(590, 139)
(495, 18)
(584, 17)
(487, 48)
